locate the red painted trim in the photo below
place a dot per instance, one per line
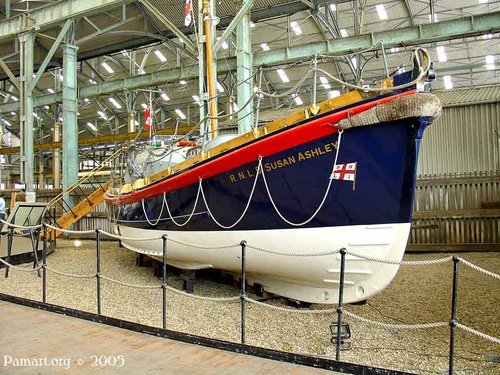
(309, 131)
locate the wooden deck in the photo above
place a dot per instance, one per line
(58, 344)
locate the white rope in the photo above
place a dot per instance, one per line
(401, 262)
(479, 269)
(216, 247)
(192, 212)
(123, 238)
(146, 215)
(290, 309)
(76, 276)
(20, 268)
(6, 223)
(213, 299)
(477, 333)
(397, 326)
(301, 254)
(322, 201)
(259, 167)
(70, 231)
(129, 285)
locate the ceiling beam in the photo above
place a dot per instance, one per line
(409, 36)
(53, 14)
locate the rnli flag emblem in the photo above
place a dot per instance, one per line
(346, 172)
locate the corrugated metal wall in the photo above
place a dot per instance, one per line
(457, 200)
(465, 139)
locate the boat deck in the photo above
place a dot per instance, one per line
(72, 345)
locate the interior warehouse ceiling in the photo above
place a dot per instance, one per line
(146, 46)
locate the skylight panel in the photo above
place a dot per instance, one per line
(490, 62)
(441, 54)
(448, 85)
(382, 14)
(160, 56)
(296, 28)
(106, 66)
(181, 114)
(283, 75)
(343, 33)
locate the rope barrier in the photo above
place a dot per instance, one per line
(6, 223)
(401, 262)
(130, 285)
(479, 269)
(477, 333)
(70, 231)
(21, 269)
(213, 299)
(303, 254)
(76, 276)
(397, 326)
(284, 309)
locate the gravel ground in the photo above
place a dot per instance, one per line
(417, 295)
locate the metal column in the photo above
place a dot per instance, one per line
(26, 114)
(244, 73)
(70, 126)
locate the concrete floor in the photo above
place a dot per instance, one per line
(50, 343)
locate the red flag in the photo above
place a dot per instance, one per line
(188, 7)
(346, 172)
(148, 119)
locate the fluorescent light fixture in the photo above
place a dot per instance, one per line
(333, 7)
(441, 54)
(265, 47)
(105, 65)
(220, 88)
(252, 25)
(196, 99)
(14, 98)
(92, 81)
(183, 82)
(394, 49)
(60, 77)
(282, 75)
(144, 105)
(46, 107)
(448, 85)
(160, 56)
(91, 126)
(125, 53)
(115, 103)
(296, 28)
(102, 115)
(490, 62)
(382, 14)
(225, 45)
(165, 96)
(483, 1)
(86, 100)
(343, 33)
(298, 101)
(13, 113)
(141, 71)
(36, 116)
(488, 36)
(50, 90)
(6, 122)
(180, 114)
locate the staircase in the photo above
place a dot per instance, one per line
(65, 215)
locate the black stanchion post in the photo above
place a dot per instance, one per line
(164, 284)
(243, 288)
(453, 320)
(98, 270)
(340, 307)
(44, 265)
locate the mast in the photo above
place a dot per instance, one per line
(212, 103)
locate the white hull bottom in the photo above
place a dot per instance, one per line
(312, 279)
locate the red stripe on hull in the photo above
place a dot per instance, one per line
(309, 131)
